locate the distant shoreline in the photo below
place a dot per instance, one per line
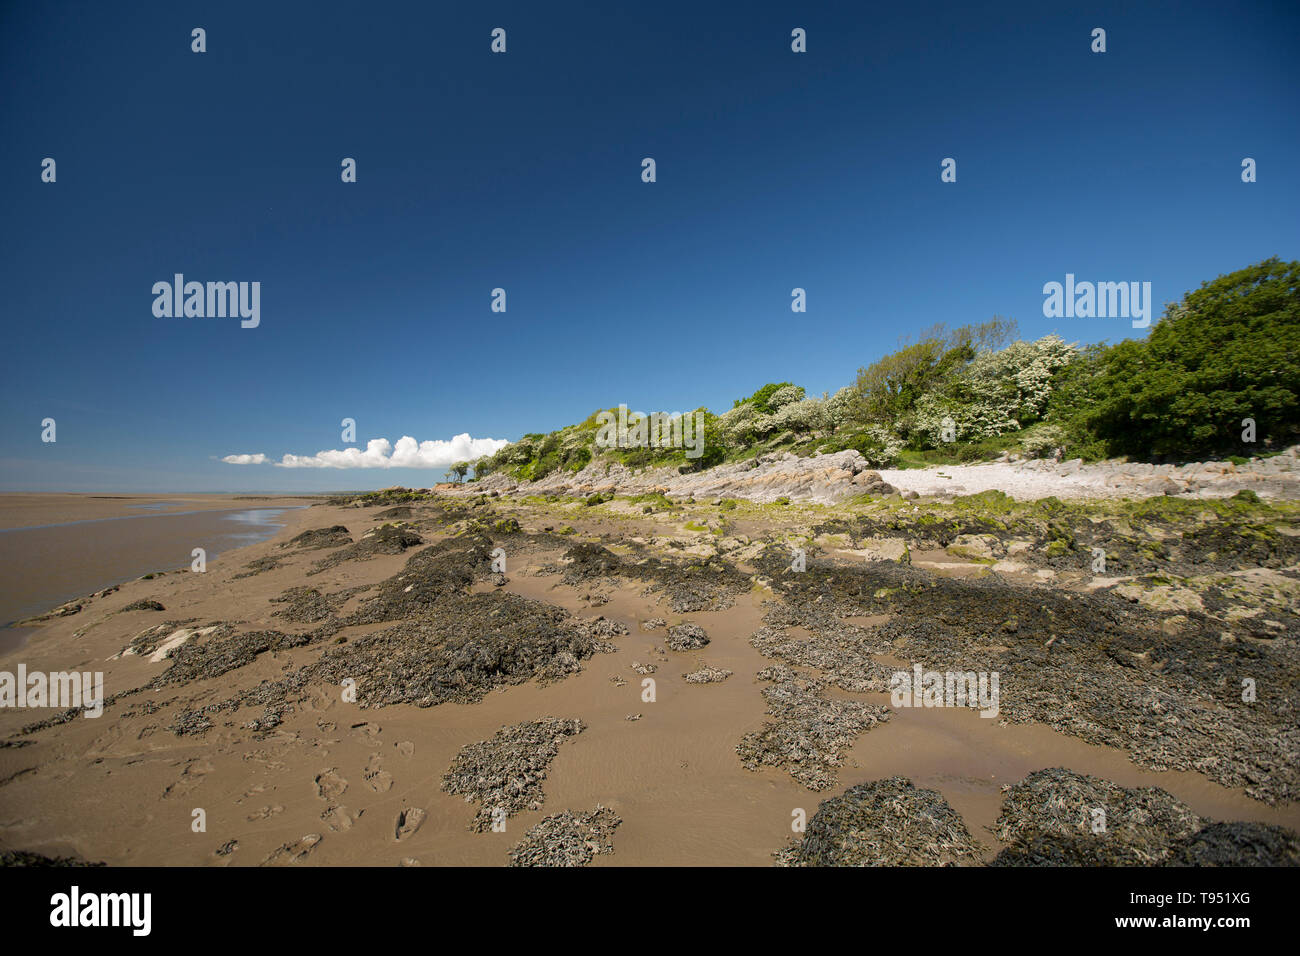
(45, 509)
(56, 565)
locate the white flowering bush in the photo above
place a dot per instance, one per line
(881, 446)
(1043, 439)
(785, 395)
(806, 415)
(932, 411)
(998, 392)
(739, 425)
(840, 408)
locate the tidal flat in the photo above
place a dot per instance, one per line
(418, 677)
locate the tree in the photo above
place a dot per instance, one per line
(1228, 351)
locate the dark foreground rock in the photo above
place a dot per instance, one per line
(25, 858)
(144, 604)
(318, 538)
(1237, 844)
(1060, 818)
(883, 823)
(1118, 825)
(386, 539)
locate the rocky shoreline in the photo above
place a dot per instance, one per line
(373, 648)
(833, 478)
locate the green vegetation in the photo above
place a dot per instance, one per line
(1229, 351)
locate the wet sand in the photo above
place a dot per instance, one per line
(52, 551)
(21, 510)
(123, 789)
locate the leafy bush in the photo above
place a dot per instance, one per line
(1228, 351)
(877, 445)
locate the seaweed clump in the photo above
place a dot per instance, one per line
(505, 774)
(567, 839)
(883, 823)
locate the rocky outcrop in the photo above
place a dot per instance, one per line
(828, 479)
(823, 478)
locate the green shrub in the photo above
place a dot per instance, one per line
(1228, 351)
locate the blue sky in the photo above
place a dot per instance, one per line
(522, 171)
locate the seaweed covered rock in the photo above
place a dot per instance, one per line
(386, 539)
(883, 823)
(304, 605)
(1110, 824)
(144, 604)
(707, 675)
(1063, 849)
(567, 839)
(27, 858)
(257, 567)
(686, 637)
(1092, 665)
(1216, 844)
(600, 627)
(810, 732)
(586, 561)
(318, 538)
(474, 643)
(429, 577)
(504, 774)
(1237, 844)
(220, 654)
(711, 586)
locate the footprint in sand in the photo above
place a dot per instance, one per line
(106, 742)
(191, 777)
(405, 747)
(369, 731)
(259, 788)
(265, 813)
(408, 821)
(379, 780)
(293, 852)
(340, 818)
(330, 785)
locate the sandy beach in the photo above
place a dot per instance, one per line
(36, 510)
(255, 728)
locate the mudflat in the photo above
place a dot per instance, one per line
(407, 677)
(19, 510)
(57, 548)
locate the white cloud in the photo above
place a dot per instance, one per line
(380, 453)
